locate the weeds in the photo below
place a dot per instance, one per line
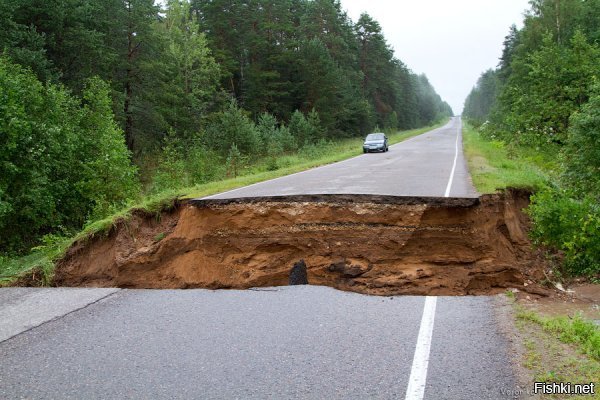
(585, 335)
(41, 261)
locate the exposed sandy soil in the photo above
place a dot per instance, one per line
(411, 247)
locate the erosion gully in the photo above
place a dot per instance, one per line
(369, 244)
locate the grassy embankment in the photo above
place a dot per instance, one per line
(494, 165)
(559, 349)
(41, 259)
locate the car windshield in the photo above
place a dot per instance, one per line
(375, 136)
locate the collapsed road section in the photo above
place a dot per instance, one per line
(368, 244)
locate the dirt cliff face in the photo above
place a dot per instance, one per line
(369, 247)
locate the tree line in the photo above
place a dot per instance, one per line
(102, 100)
(170, 68)
(545, 94)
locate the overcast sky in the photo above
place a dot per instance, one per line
(451, 41)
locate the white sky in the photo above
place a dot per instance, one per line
(451, 41)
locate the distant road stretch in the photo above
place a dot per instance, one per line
(431, 164)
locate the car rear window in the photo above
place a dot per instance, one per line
(375, 136)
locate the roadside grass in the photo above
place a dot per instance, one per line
(585, 335)
(40, 263)
(494, 165)
(559, 349)
(41, 260)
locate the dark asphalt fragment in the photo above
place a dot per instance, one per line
(298, 275)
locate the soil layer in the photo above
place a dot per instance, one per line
(366, 245)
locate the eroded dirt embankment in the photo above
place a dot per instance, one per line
(409, 247)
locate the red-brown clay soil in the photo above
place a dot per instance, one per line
(369, 247)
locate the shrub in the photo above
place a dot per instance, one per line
(312, 151)
(181, 166)
(268, 135)
(305, 129)
(171, 172)
(235, 161)
(288, 143)
(204, 165)
(569, 225)
(232, 126)
(60, 161)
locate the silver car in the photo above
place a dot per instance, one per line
(375, 142)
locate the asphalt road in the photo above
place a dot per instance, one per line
(420, 166)
(290, 342)
(304, 342)
(22, 309)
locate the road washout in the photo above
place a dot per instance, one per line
(367, 244)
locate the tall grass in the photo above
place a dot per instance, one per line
(495, 165)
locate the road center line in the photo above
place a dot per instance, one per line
(447, 194)
(418, 372)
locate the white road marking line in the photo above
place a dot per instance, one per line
(447, 193)
(418, 372)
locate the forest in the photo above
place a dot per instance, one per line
(105, 101)
(544, 96)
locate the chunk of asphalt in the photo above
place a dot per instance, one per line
(298, 275)
(22, 309)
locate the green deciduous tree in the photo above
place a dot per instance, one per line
(546, 88)
(59, 161)
(108, 179)
(582, 150)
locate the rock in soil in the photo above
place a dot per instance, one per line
(349, 269)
